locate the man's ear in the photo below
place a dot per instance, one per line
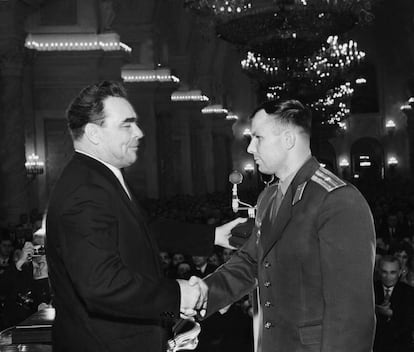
(92, 133)
(289, 138)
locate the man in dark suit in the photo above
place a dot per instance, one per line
(201, 266)
(394, 309)
(392, 231)
(311, 254)
(108, 288)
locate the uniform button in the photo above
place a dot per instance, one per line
(267, 283)
(267, 264)
(258, 233)
(268, 304)
(268, 325)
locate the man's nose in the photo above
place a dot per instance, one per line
(251, 148)
(138, 132)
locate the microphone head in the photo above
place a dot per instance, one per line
(235, 177)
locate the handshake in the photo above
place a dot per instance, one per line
(193, 297)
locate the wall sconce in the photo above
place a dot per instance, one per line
(408, 106)
(249, 169)
(343, 163)
(231, 116)
(390, 126)
(360, 80)
(392, 162)
(34, 166)
(247, 133)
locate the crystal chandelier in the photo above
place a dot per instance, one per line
(317, 80)
(282, 28)
(293, 48)
(217, 7)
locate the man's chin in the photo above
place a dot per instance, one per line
(131, 160)
(263, 170)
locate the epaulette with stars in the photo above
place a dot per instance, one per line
(327, 179)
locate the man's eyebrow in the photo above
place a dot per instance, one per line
(130, 119)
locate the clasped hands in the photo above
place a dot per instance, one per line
(193, 297)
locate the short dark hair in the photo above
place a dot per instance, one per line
(289, 112)
(400, 247)
(389, 259)
(88, 105)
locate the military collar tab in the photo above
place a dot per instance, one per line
(299, 192)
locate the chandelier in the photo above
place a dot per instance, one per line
(329, 61)
(318, 80)
(293, 47)
(217, 7)
(281, 28)
(334, 108)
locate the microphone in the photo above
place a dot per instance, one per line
(235, 178)
(241, 232)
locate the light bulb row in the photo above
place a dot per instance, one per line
(188, 97)
(77, 46)
(151, 78)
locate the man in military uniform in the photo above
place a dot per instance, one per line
(311, 254)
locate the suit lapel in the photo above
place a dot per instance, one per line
(273, 231)
(131, 204)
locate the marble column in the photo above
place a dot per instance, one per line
(222, 137)
(186, 120)
(168, 145)
(14, 183)
(410, 132)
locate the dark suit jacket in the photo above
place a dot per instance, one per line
(394, 334)
(384, 233)
(109, 291)
(314, 266)
(209, 269)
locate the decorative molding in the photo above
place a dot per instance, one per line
(133, 73)
(75, 42)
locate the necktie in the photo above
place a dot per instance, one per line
(387, 295)
(277, 201)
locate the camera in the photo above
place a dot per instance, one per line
(38, 250)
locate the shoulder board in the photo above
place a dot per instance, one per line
(327, 179)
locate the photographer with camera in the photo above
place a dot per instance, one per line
(26, 282)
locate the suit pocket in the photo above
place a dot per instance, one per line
(310, 335)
